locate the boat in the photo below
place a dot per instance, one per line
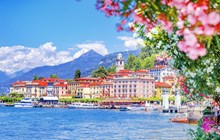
(123, 108)
(83, 106)
(24, 103)
(135, 107)
(181, 118)
(2, 104)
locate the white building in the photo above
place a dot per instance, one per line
(158, 72)
(119, 63)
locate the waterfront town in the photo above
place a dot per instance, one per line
(123, 84)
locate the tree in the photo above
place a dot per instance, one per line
(53, 76)
(41, 78)
(35, 77)
(77, 74)
(130, 62)
(137, 65)
(112, 69)
(101, 72)
(148, 62)
(189, 32)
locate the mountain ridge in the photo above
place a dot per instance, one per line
(86, 63)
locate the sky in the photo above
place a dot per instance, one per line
(35, 33)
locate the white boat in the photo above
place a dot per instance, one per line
(24, 103)
(2, 104)
(136, 107)
(83, 106)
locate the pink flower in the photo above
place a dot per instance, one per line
(180, 24)
(108, 2)
(209, 30)
(214, 18)
(199, 30)
(190, 38)
(192, 20)
(203, 17)
(181, 45)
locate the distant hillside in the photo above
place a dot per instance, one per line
(86, 63)
(3, 77)
(65, 70)
(110, 59)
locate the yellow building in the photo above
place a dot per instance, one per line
(161, 87)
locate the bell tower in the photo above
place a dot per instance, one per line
(119, 63)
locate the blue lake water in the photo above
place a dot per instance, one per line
(73, 124)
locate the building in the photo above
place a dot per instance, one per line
(60, 90)
(161, 88)
(80, 87)
(133, 86)
(119, 63)
(18, 87)
(50, 87)
(158, 72)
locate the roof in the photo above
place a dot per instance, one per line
(168, 77)
(87, 78)
(39, 83)
(95, 84)
(21, 83)
(162, 84)
(60, 85)
(141, 71)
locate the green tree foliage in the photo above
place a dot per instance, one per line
(101, 72)
(35, 77)
(148, 52)
(130, 62)
(53, 76)
(148, 62)
(41, 78)
(137, 65)
(77, 74)
(112, 69)
(16, 95)
(140, 62)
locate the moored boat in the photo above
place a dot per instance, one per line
(135, 107)
(2, 104)
(123, 108)
(83, 106)
(181, 118)
(24, 103)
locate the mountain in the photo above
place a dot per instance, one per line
(3, 77)
(110, 59)
(86, 63)
(19, 73)
(65, 70)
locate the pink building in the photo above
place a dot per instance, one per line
(133, 86)
(60, 90)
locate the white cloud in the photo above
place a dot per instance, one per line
(16, 58)
(131, 43)
(79, 53)
(98, 47)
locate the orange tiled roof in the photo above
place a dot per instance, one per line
(19, 83)
(144, 71)
(95, 84)
(162, 84)
(60, 85)
(168, 77)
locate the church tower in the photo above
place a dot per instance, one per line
(119, 63)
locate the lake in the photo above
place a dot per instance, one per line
(78, 124)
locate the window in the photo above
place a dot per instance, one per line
(134, 90)
(119, 90)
